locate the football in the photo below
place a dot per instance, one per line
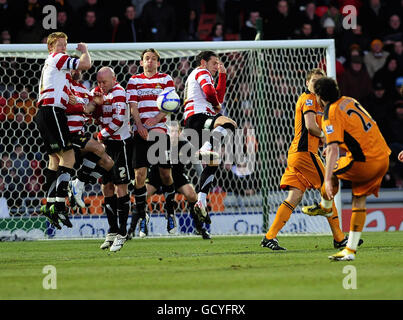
(168, 100)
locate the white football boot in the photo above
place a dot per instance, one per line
(110, 238)
(118, 243)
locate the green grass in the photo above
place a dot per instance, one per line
(192, 268)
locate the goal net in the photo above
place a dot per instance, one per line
(264, 81)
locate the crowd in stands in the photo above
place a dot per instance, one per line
(369, 56)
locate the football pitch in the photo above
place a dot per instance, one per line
(233, 268)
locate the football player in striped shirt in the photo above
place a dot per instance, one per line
(95, 161)
(142, 93)
(202, 112)
(114, 117)
(54, 90)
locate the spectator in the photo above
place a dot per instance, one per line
(90, 5)
(232, 12)
(334, 14)
(217, 32)
(329, 32)
(129, 28)
(63, 6)
(189, 28)
(355, 36)
(306, 32)
(5, 37)
(158, 21)
(33, 8)
(398, 52)
(373, 18)
(388, 74)
(355, 81)
(380, 107)
(248, 31)
(393, 31)
(91, 30)
(10, 17)
(139, 5)
(308, 16)
(283, 23)
(63, 23)
(31, 32)
(376, 58)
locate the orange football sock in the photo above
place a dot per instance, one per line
(334, 224)
(283, 214)
(358, 219)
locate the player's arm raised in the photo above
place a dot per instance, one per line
(85, 59)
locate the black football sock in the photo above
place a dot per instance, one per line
(63, 177)
(111, 213)
(140, 196)
(89, 163)
(50, 186)
(169, 194)
(123, 205)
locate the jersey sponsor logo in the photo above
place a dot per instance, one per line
(329, 129)
(309, 102)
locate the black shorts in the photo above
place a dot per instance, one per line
(200, 122)
(141, 152)
(178, 174)
(119, 151)
(52, 125)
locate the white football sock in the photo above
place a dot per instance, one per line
(353, 239)
(327, 204)
(203, 198)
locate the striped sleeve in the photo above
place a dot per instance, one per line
(203, 77)
(65, 62)
(131, 90)
(118, 112)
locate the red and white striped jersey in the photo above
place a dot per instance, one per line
(54, 85)
(145, 92)
(76, 118)
(195, 98)
(114, 114)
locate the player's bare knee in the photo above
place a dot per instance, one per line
(108, 189)
(121, 190)
(140, 177)
(166, 176)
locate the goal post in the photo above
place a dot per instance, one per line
(264, 80)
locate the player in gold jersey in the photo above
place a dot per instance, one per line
(304, 166)
(348, 126)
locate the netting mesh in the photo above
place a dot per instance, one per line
(262, 88)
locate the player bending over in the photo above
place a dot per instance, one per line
(202, 112)
(54, 90)
(95, 161)
(305, 169)
(114, 117)
(348, 126)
